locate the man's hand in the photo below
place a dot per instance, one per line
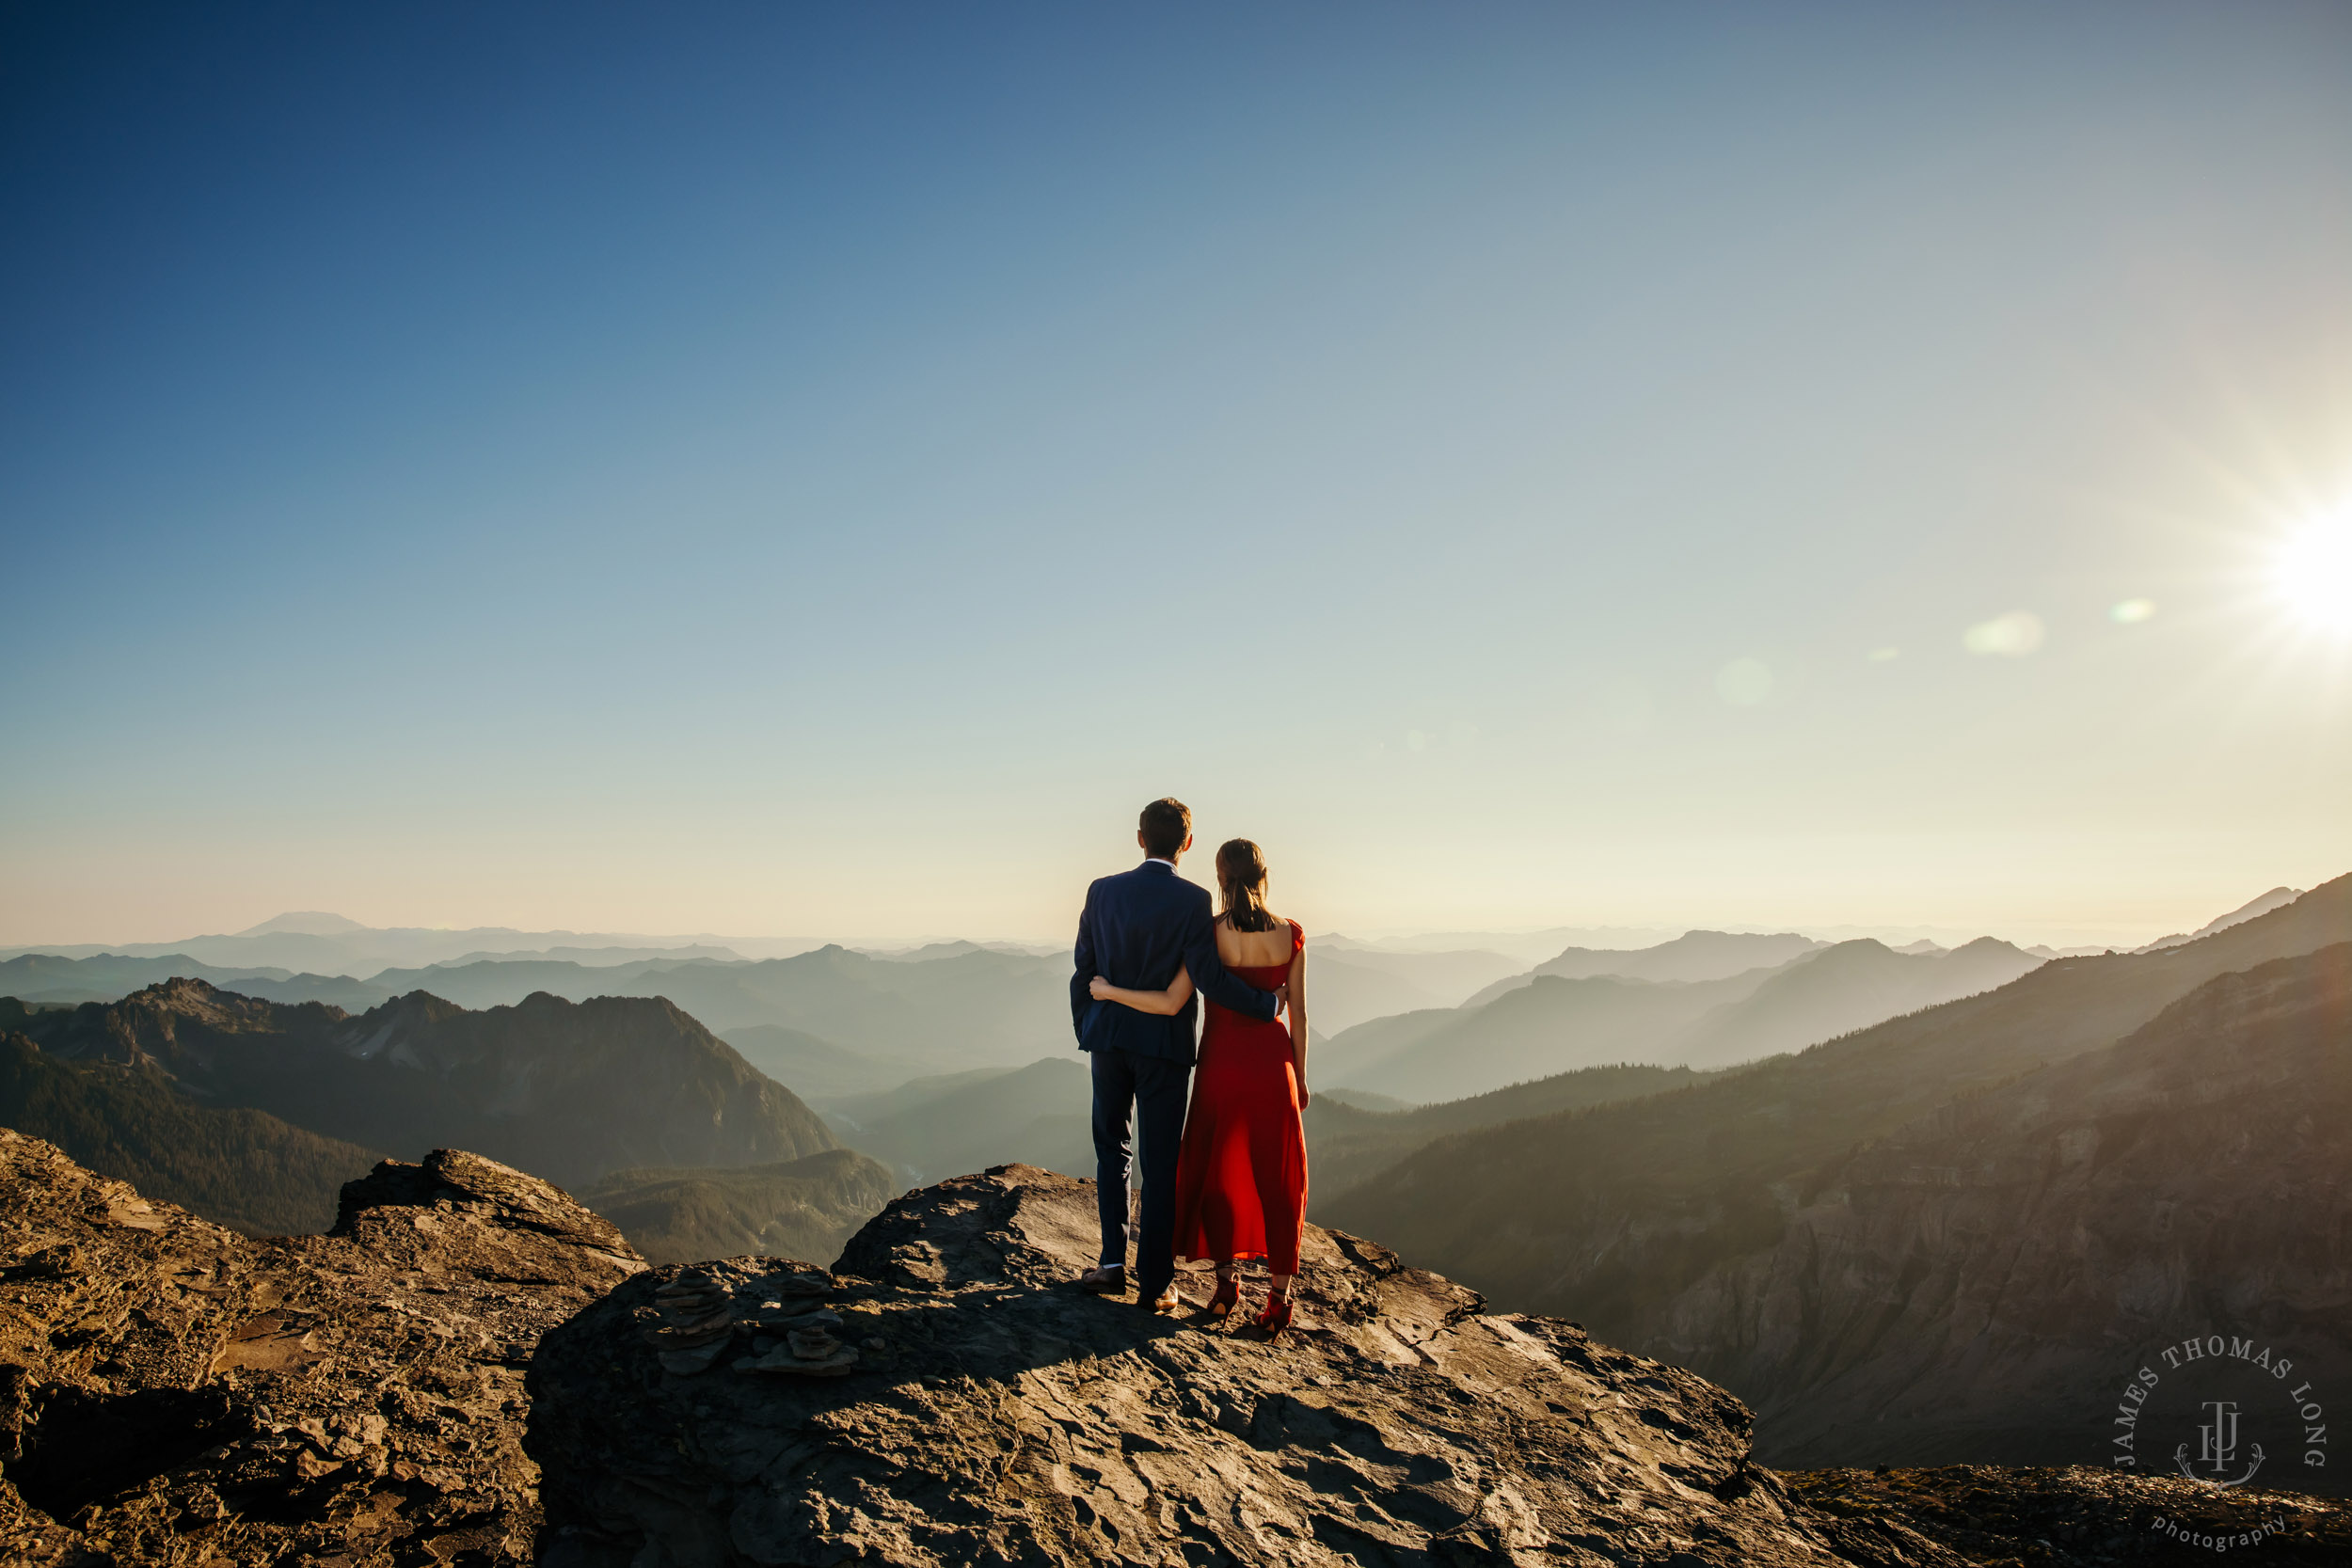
(1282, 996)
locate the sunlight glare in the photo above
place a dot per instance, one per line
(2312, 572)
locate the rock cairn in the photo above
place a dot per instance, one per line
(775, 1310)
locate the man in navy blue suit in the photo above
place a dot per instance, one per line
(1138, 929)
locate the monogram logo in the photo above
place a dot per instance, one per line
(2243, 1401)
(2218, 1447)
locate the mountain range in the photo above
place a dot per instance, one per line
(1558, 1024)
(567, 1090)
(1694, 956)
(1687, 1222)
(932, 1008)
(953, 1124)
(1350, 984)
(319, 943)
(2278, 897)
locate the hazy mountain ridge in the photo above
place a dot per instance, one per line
(1348, 983)
(982, 1006)
(1835, 989)
(2278, 897)
(1551, 1026)
(817, 1069)
(1618, 1213)
(1347, 1144)
(979, 1005)
(1691, 956)
(50, 978)
(933, 1128)
(331, 944)
(1557, 1024)
(566, 1090)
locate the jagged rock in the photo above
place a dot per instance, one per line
(172, 1392)
(1002, 1415)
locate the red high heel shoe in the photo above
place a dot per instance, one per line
(1276, 1316)
(1227, 1297)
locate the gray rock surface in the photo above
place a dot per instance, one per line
(996, 1414)
(172, 1392)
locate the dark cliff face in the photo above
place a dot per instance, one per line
(172, 1392)
(1978, 1285)
(569, 1090)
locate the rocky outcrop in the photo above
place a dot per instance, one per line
(2053, 1519)
(172, 1392)
(996, 1414)
(1976, 1285)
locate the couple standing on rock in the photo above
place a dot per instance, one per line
(1228, 1180)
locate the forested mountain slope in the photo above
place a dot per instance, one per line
(567, 1091)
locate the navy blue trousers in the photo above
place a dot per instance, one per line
(1147, 1093)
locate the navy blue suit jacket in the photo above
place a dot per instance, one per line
(1138, 929)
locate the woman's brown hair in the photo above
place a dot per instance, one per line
(1241, 876)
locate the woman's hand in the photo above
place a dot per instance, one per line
(1099, 988)
(1305, 1099)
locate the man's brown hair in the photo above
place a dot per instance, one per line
(1166, 824)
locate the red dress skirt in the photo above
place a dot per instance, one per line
(1241, 1176)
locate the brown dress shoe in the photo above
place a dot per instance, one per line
(1111, 1279)
(1166, 1301)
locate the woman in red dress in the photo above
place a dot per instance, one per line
(1241, 1177)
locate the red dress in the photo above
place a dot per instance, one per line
(1241, 1177)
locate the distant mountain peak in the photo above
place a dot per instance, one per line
(304, 923)
(2277, 898)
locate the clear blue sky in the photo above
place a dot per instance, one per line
(810, 469)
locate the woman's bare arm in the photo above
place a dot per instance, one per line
(1165, 1003)
(1299, 1023)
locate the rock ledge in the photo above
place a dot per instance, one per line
(997, 1415)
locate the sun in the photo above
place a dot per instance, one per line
(2312, 572)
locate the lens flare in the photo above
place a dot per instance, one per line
(2011, 636)
(2313, 573)
(1743, 682)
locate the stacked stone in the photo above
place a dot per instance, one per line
(791, 1327)
(693, 1322)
